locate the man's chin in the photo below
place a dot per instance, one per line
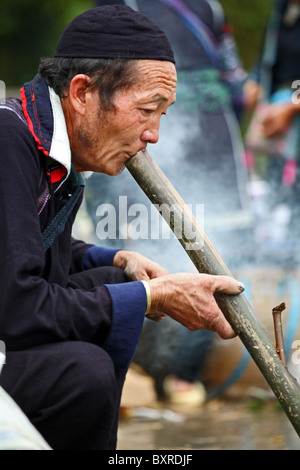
(116, 171)
(119, 171)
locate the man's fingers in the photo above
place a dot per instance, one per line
(189, 299)
(138, 267)
(221, 326)
(216, 319)
(228, 285)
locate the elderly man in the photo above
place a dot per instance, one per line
(71, 313)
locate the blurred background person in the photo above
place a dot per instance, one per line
(273, 136)
(200, 150)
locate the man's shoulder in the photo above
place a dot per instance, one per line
(11, 112)
(13, 123)
(17, 146)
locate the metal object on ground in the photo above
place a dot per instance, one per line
(279, 346)
(206, 259)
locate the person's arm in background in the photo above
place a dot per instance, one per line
(280, 117)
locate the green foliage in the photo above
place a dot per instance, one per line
(30, 29)
(248, 18)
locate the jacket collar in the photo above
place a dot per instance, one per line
(45, 118)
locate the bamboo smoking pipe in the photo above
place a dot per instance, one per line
(206, 259)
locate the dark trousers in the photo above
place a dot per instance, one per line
(70, 391)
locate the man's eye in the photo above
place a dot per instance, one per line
(147, 111)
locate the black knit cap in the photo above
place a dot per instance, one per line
(114, 31)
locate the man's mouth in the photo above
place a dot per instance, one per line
(133, 154)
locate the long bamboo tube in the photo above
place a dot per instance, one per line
(206, 259)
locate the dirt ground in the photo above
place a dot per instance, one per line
(242, 420)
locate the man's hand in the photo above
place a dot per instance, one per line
(138, 267)
(189, 299)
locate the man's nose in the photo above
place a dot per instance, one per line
(150, 136)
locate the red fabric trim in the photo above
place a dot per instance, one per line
(57, 174)
(29, 122)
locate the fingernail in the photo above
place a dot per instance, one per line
(241, 286)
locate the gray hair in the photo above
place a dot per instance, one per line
(108, 75)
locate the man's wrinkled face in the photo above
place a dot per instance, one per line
(107, 139)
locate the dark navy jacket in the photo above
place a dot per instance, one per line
(71, 291)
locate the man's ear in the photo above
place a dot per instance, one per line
(78, 91)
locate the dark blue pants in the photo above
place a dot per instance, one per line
(70, 391)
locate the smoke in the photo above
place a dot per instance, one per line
(195, 154)
(202, 155)
(201, 167)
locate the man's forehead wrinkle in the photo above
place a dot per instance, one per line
(158, 69)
